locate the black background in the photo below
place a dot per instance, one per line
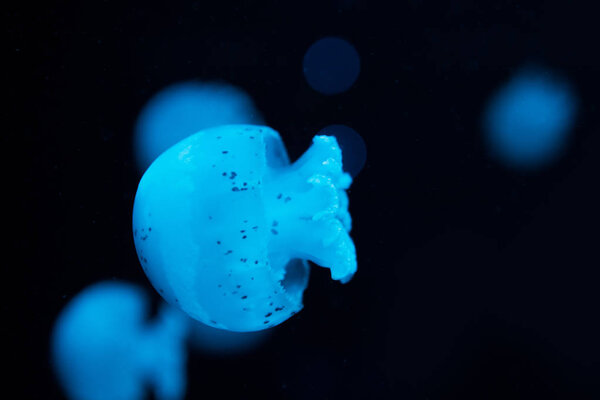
(474, 281)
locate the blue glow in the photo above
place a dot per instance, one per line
(183, 109)
(331, 65)
(216, 341)
(222, 224)
(352, 144)
(103, 348)
(527, 122)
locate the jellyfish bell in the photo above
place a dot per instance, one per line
(223, 225)
(102, 347)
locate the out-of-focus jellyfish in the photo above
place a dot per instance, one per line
(331, 65)
(527, 121)
(222, 342)
(183, 109)
(103, 347)
(352, 145)
(223, 224)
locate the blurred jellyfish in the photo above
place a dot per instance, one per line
(183, 109)
(527, 121)
(223, 224)
(331, 65)
(103, 347)
(222, 342)
(352, 145)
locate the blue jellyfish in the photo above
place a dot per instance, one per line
(183, 109)
(331, 65)
(223, 225)
(527, 122)
(103, 347)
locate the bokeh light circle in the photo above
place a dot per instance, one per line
(528, 120)
(331, 65)
(185, 108)
(354, 149)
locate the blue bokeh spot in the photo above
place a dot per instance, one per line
(220, 342)
(183, 109)
(354, 149)
(331, 65)
(527, 121)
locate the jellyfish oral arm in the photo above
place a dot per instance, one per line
(306, 205)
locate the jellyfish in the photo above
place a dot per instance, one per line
(223, 225)
(185, 108)
(528, 121)
(103, 346)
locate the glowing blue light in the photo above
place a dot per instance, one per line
(216, 341)
(222, 223)
(183, 109)
(527, 122)
(331, 65)
(103, 348)
(352, 145)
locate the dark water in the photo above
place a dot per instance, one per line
(474, 281)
